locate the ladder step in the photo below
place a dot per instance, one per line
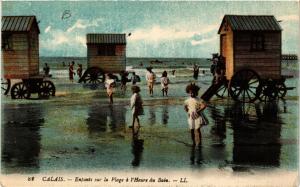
(211, 91)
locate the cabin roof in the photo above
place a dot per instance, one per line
(18, 23)
(251, 23)
(106, 38)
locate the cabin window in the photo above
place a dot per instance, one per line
(257, 42)
(7, 43)
(106, 50)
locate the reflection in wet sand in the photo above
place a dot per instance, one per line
(137, 146)
(218, 124)
(109, 118)
(256, 142)
(165, 115)
(21, 138)
(152, 116)
(196, 156)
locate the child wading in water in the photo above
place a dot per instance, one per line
(136, 104)
(110, 84)
(150, 77)
(164, 80)
(193, 106)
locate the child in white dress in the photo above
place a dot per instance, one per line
(110, 84)
(164, 81)
(136, 104)
(193, 106)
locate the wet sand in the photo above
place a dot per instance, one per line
(79, 131)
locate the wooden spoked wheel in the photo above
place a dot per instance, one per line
(269, 90)
(223, 90)
(93, 76)
(281, 90)
(244, 86)
(5, 86)
(20, 91)
(47, 89)
(268, 93)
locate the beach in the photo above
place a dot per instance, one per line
(79, 130)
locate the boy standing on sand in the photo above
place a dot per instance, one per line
(193, 106)
(150, 77)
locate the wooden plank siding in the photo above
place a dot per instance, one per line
(33, 52)
(226, 49)
(109, 64)
(266, 62)
(23, 60)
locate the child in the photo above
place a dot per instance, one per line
(79, 70)
(135, 78)
(71, 71)
(150, 77)
(110, 84)
(124, 80)
(193, 106)
(136, 104)
(164, 80)
(46, 69)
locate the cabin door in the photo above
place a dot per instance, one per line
(223, 45)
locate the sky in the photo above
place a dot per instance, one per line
(158, 29)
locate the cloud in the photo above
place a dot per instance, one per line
(291, 17)
(83, 24)
(73, 40)
(47, 29)
(159, 34)
(204, 40)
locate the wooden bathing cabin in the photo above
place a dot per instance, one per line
(106, 52)
(253, 42)
(20, 47)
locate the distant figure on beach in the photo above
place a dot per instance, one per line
(63, 64)
(196, 71)
(110, 84)
(46, 69)
(194, 107)
(150, 77)
(124, 80)
(217, 68)
(79, 70)
(164, 81)
(173, 72)
(136, 104)
(71, 71)
(135, 78)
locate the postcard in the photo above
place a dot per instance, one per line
(149, 93)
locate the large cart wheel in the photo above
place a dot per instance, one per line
(93, 75)
(269, 91)
(5, 86)
(281, 90)
(47, 89)
(223, 90)
(20, 91)
(244, 86)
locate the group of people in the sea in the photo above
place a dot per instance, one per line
(71, 70)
